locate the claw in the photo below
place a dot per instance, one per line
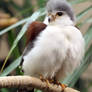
(45, 80)
(48, 81)
(63, 86)
(51, 80)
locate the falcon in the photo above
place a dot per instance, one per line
(56, 47)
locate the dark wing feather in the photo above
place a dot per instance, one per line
(33, 30)
(32, 33)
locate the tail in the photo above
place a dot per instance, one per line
(25, 90)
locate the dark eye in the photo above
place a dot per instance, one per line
(59, 13)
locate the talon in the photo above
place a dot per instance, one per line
(55, 82)
(51, 80)
(63, 86)
(45, 80)
(48, 83)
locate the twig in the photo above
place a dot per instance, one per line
(21, 81)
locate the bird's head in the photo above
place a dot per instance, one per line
(60, 12)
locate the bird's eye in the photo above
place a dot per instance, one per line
(59, 13)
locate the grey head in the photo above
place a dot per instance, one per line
(60, 5)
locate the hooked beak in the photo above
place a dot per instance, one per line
(51, 18)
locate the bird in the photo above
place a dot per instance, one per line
(55, 47)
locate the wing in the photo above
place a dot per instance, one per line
(34, 29)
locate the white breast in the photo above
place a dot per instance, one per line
(55, 49)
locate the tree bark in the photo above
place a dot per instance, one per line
(27, 81)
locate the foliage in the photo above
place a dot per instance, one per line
(15, 49)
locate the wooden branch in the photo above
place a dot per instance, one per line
(21, 81)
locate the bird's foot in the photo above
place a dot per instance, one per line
(63, 86)
(45, 80)
(48, 81)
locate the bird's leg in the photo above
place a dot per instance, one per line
(44, 80)
(54, 81)
(51, 80)
(63, 86)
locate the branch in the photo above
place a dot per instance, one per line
(21, 81)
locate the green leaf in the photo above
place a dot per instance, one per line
(26, 4)
(78, 1)
(11, 67)
(11, 37)
(88, 20)
(83, 13)
(41, 3)
(4, 90)
(88, 36)
(36, 90)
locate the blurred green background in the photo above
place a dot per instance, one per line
(14, 18)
